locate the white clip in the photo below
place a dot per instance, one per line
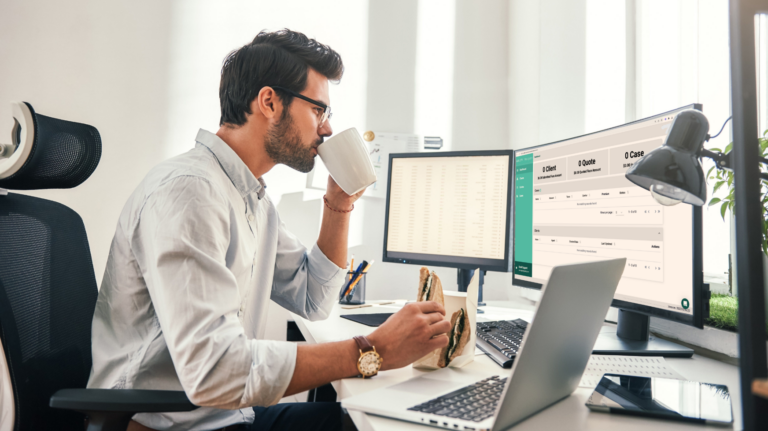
(6, 150)
(3, 192)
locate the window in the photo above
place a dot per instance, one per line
(645, 57)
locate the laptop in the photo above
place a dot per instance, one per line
(552, 357)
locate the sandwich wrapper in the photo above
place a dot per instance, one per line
(453, 302)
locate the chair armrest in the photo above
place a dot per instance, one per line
(121, 400)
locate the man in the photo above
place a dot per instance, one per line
(199, 251)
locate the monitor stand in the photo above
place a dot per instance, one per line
(464, 277)
(633, 338)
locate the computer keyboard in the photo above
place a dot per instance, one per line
(475, 402)
(501, 340)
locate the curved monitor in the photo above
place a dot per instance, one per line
(450, 209)
(574, 204)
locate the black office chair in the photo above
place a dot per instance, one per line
(48, 289)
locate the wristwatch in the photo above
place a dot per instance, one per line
(370, 361)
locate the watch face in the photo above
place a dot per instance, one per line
(369, 363)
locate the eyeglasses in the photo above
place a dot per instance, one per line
(323, 117)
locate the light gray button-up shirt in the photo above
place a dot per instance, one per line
(198, 252)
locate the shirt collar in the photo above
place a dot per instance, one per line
(242, 177)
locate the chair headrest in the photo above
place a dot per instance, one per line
(47, 153)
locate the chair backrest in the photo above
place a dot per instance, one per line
(61, 154)
(47, 285)
(47, 298)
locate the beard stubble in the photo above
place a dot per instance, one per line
(283, 144)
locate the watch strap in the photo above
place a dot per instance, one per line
(363, 344)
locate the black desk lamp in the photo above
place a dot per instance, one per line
(673, 174)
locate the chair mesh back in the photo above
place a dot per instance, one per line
(64, 154)
(47, 299)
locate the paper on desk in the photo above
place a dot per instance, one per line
(643, 366)
(380, 146)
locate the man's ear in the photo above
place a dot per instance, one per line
(267, 103)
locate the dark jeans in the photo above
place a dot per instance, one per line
(297, 416)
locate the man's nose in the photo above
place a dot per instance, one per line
(326, 130)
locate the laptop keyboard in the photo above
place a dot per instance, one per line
(475, 402)
(501, 340)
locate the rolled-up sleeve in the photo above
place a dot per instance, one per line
(180, 242)
(305, 283)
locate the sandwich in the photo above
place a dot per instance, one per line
(430, 287)
(457, 338)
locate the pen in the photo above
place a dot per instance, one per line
(354, 278)
(346, 288)
(351, 288)
(352, 263)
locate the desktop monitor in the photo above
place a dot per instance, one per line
(450, 209)
(574, 204)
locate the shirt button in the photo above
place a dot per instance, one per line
(250, 217)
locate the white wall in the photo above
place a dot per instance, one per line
(481, 76)
(100, 63)
(479, 115)
(146, 75)
(547, 71)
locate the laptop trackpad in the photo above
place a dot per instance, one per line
(422, 385)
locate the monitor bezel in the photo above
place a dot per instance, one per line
(695, 319)
(499, 265)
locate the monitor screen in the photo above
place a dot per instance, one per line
(450, 209)
(574, 204)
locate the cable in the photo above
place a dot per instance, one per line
(721, 129)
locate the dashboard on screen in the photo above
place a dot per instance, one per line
(573, 204)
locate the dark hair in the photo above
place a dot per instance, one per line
(281, 58)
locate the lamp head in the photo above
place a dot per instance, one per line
(673, 172)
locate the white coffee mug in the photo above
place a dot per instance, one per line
(347, 160)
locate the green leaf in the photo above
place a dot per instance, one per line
(723, 208)
(730, 180)
(717, 186)
(713, 201)
(710, 170)
(728, 148)
(717, 150)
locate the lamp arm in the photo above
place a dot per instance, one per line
(723, 161)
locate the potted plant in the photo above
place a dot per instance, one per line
(724, 184)
(724, 177)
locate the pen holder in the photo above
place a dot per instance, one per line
(357, 296)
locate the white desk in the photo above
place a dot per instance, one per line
(570, 413)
